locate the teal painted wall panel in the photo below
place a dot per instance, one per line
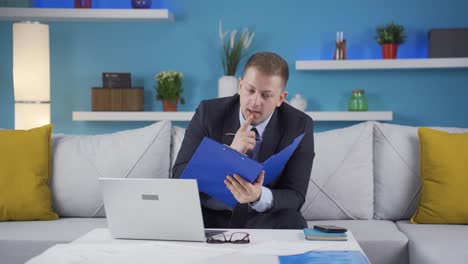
(298, 30)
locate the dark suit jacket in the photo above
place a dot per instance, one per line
(216, 117)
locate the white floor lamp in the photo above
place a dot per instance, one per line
(31, 74)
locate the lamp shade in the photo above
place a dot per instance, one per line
(31, 74)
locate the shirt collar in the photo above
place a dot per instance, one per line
(260, 127)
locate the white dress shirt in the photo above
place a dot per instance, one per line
(266, 197)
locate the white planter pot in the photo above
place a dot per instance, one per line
(227, 86)
(298, 102)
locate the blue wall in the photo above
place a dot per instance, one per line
(80, 52)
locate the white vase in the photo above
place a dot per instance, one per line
(227, 86)
(298, 102)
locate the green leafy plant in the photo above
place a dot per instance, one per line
(169, 86)
(235, 47)
(390, 33)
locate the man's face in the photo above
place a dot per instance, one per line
(260, 94)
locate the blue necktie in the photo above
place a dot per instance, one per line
(258, 142)
(241, 211)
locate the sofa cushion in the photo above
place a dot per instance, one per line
(18, 252)
(20, 241)
(444, 174)
(381, 240)
(341, 183)
(24, 174)
(397, 170)
(177, 136)
(78, 162)
(64, 229)
(436, 244)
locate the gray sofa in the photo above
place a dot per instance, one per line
(365, 177)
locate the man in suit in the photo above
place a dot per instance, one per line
(257, 123)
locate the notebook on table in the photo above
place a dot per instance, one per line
(314, 234)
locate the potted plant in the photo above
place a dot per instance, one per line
(389, 36)
(234, 47)
(169, 89)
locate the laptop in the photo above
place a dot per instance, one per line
(159, 209)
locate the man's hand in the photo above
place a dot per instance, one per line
(244, 191)
(244, 139)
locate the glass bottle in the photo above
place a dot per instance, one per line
(357, 102)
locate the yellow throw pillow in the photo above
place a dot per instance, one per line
(24, 174)
(444, 173)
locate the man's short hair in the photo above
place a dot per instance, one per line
(269, 63)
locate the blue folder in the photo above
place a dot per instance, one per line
(326, 257)
(213, 161)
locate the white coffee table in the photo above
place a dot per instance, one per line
(265, 246)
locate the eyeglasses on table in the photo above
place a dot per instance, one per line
(234, 238)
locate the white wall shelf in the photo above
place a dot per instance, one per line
(84, 14)
(319, 65)
(351, 116)
(187, 116)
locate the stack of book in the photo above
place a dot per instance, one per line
(314, 234)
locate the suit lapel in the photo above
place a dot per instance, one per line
(271, 138)
(231, 124)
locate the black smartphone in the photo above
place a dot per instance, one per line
(330, 228)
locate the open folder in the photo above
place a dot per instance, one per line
(212, 161)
